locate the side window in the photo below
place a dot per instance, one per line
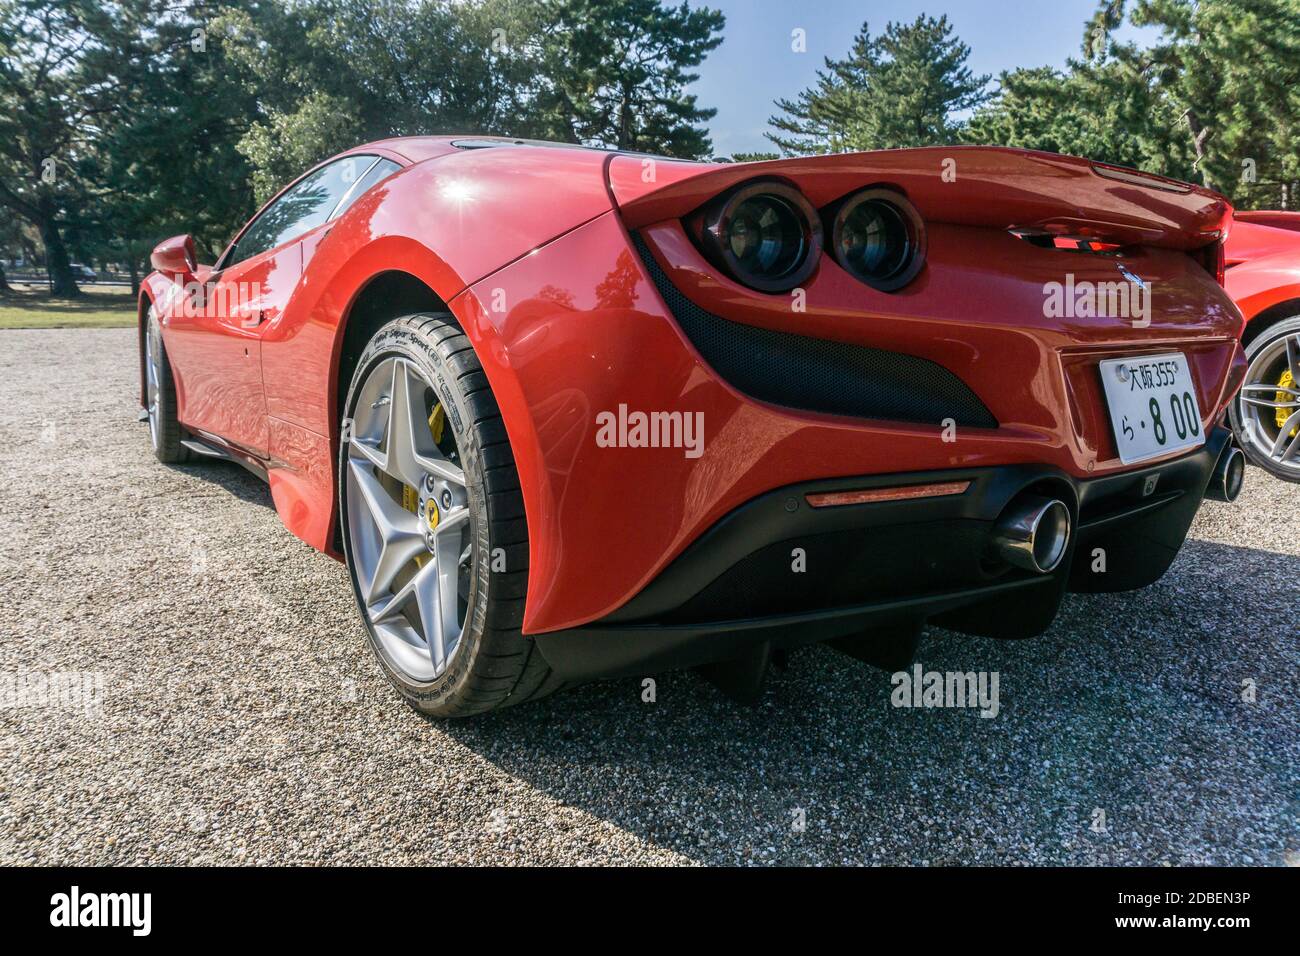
(305, 206)
(382, 169)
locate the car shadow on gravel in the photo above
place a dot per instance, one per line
(1122, 736)
(231, 476)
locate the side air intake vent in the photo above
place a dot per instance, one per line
(819, 375)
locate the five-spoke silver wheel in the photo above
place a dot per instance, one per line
(410, 532)
(1267, 415)
(434, 528)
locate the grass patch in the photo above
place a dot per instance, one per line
(108, 307)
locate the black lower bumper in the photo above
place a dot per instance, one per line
(777, 571)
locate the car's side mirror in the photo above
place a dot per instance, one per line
(175, 257)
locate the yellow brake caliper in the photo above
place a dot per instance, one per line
(1286, 381)
(411, 496)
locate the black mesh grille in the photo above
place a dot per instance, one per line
(820, 375)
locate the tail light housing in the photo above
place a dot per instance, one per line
(878, 237)
(765, 235)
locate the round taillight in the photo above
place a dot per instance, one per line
(765, 235)
(878, 237)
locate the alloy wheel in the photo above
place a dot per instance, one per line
(410, 529)
(1269, 404)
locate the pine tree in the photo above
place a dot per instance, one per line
(1096, 111)
(899, 89)
(55, 93)
(615, 73)
(1216, 98)
(1232, 69)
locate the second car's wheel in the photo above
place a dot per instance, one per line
(160, 396)
(433, 523)
(1266, 413)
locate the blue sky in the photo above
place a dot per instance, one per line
(755, 65)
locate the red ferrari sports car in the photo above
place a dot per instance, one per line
(1263, 259)
(569, 413)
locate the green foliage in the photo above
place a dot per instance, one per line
(617, 70)
(58, 83)
(113, 125)
(162, 118)
(1215, 98)
(168, 158)
(1232, 70)
(284, 145)
(750, 157)
(329, 75)
(157, 118)
(898, 89)
(332, 74)
(1092, 111)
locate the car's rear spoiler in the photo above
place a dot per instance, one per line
(1274, 218)
(1011, 189)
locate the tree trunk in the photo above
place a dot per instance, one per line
(1199, 135)
(135, 270)
(625, 138)
(4, 279)
(63, 284)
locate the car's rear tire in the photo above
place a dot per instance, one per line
(467, 508)
(165, 432)
(1266, 412)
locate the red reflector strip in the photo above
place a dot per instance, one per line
(867, 495)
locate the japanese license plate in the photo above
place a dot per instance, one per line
(1152, 404)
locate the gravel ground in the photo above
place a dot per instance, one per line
(236, 714)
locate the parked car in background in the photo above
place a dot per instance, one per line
(84, 273)
(1263, 278)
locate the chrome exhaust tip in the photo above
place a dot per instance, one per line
(1032, 533)
(1229, 475)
